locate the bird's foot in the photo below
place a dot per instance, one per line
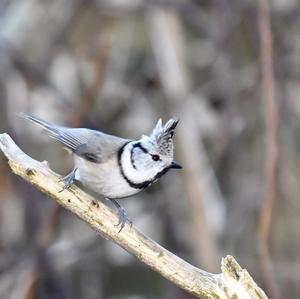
(122, 215)
(68, 179)
(123, 219)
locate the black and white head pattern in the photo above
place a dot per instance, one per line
(145, 160)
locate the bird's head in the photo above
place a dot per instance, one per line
(153, 155)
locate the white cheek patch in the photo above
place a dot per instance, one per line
(138, 174)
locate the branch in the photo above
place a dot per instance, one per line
(233, 282)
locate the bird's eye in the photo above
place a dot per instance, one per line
(155, 157)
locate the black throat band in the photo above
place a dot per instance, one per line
(129, 182)
(132, 184)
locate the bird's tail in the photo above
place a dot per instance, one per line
(51, 128)
(62, 134)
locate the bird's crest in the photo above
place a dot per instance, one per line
(162, 135)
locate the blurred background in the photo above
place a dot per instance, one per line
(118, 66)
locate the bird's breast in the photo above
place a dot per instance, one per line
(103, 178)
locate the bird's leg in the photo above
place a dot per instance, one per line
(68, 179)
(122, 214)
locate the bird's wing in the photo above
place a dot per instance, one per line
(91, 145)
(99, 147)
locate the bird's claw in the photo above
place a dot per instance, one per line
(122, 215)
(68, 180)
(122, 219)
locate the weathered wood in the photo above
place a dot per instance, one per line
(233, 282)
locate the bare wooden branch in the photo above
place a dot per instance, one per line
(233, 282)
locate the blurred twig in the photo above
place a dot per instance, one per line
(271, 151)
(234, 281)
(89, 96)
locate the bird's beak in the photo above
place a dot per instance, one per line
(175, 165)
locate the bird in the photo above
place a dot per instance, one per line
(112, 166)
